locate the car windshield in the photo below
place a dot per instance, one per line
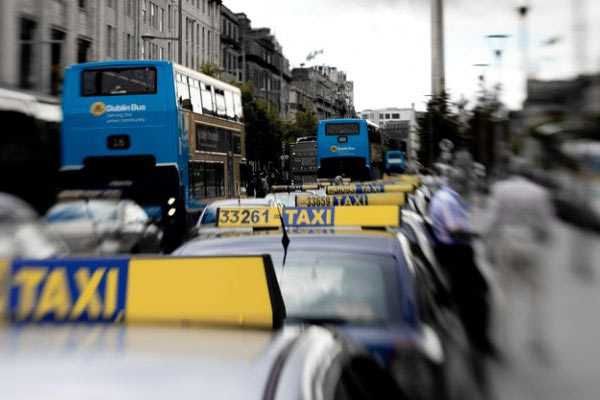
(209, 216)
(337, 286)
(80, 210)
(334, 286)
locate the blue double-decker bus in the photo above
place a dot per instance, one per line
(168, 137)
(349, 147)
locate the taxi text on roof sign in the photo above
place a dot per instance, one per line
(370, 188)
(360, 216)
(220, 290)
(351, 200)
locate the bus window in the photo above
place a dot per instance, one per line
(229, 102)
(220, 102)
(237, 100)
(195, 94)
(374, 136)
(118, 81)
(207, 98)
(183, 91)
(207, 179)
(350, 128)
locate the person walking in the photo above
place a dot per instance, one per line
(521, 211)
(469, 288)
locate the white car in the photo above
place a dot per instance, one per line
(104, 226)
(21, 234)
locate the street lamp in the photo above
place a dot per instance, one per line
(497, 44)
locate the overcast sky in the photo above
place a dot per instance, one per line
(384, 45)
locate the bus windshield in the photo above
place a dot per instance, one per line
(119, 81)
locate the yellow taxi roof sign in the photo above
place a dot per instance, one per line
(364, 188)
(352, 199)
(359, 216)
(232, 291)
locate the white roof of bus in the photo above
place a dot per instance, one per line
(206, 79)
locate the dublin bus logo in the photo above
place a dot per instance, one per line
(98, 109)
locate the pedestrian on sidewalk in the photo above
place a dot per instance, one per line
(469, 288)
(519, 233)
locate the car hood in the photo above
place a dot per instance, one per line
(135, 362)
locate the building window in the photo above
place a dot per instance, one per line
(153, 16)
(395, 116)
(169, 17)
(387, 116)
(56, 61)
(210, 46)
(203, 44)
(144, 11)
(161, 25)
(83, 48)
(110, 41)
(170, 51)
(198, 47)
(26, 57)
(381, 116)
(82, 4)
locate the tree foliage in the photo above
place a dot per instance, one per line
(264, 129)
(210, 70)
(437, 123)
(304, 124)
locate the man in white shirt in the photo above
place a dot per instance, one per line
(520, 231)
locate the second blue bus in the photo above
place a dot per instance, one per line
(351, 148)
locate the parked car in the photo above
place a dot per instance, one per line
(104, 226)
(21, 234)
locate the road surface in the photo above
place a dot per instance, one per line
(570, 368)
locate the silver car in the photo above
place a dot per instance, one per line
(104, 227)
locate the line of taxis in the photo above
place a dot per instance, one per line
(315, 292)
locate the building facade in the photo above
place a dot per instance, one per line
(299, 101)
(231, 46)
(42, 37)
(331, 93)
(399, 127)
(264, 65)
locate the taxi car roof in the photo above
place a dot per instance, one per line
(124, 362)
(351, 241)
